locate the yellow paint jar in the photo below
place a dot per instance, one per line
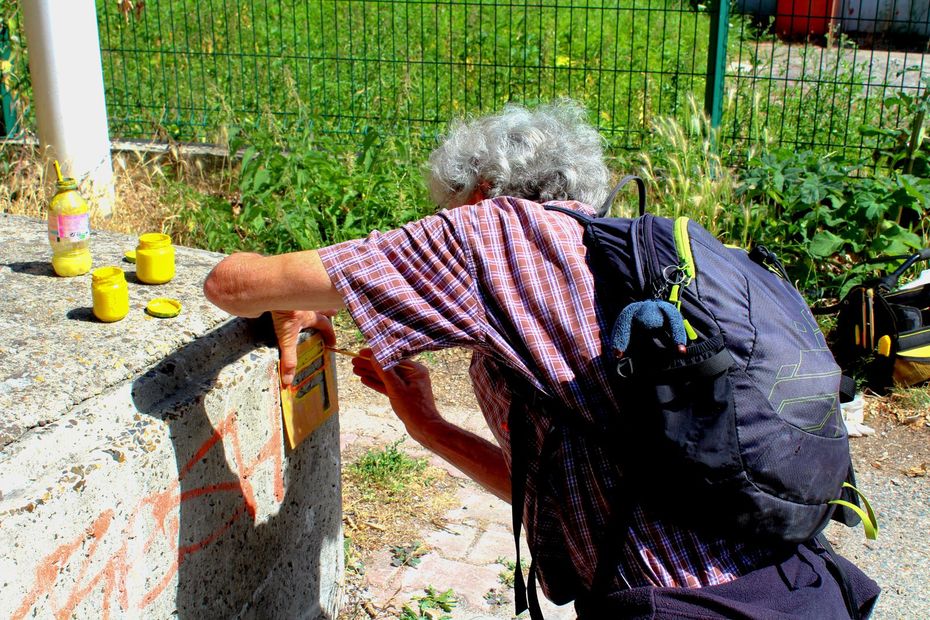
(110, 293)
(154, 258)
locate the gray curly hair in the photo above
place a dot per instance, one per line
(548, 153)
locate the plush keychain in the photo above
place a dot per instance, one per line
(652, 314)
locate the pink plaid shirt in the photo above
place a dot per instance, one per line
(508, 280)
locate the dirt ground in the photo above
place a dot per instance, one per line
(901, 443)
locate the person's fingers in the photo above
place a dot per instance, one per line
(320, 322)
(288, 363)
(365, 372)
(374, 385)
(363, 365)
(286, 328)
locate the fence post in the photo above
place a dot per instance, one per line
(69, 101)
(8, 126)
(716, 60)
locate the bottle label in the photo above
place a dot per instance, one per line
(74, 227)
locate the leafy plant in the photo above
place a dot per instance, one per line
(506, 577)
(353, 560)
(904, 148)
(432, 605)
(495, 597)
(388, 467)
(826, 216)
(407, 555)
(298, 189)
(14, 70)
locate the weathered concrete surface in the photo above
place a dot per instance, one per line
(142, 467)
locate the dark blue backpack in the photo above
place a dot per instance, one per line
(733, 393)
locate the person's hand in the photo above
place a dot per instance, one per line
(287, 327)
(407, 385)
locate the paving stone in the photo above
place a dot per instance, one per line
(454, 541)
(346, 440)
(478, 506)
(495, 543)
(382, 577)
(470, 583)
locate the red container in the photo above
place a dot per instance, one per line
(802, 18)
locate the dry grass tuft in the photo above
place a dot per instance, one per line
(377, 518)
(147, 195)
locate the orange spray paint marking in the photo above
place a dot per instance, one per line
(160, 509)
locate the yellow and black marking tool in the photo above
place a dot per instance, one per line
(312, 397)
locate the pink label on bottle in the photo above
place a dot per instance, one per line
(73, 227)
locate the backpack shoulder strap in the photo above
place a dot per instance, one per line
(583, 218)
(605, 208)
(525, 596)
(641, 187)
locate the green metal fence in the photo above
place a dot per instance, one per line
(8, 121)
(780, 90)
(186, 68)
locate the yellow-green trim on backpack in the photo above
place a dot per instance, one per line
(683, 246)
(686, 258)
(869, 522)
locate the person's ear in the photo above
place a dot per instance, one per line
(482, 192)
(476, 197)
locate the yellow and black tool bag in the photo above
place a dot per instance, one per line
(886, 332)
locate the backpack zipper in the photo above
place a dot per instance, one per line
(683, 247)
(653, 286)
(665, 283)
(686, 267)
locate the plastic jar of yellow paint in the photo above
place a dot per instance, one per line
(69, 230)
(110, 293)
(154, 258)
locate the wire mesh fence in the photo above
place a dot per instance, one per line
(797, 73)
(818, 74)
(184, 67)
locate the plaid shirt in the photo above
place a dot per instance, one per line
(508, 280)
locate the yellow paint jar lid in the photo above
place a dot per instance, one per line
(130, 256)
(164, 307)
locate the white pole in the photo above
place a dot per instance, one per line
(67, 84)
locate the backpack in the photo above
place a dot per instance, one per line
(735, 393)
(883, 331)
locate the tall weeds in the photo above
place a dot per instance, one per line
(686, 175)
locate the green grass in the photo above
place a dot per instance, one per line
(187, 69)
(387, 468)
(803, 96)
(180, 66)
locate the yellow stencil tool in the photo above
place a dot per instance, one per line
(311, 398)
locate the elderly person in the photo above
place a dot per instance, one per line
(496, 273)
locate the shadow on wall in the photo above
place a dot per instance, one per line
(242, 526)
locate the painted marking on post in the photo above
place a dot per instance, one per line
(158, 515)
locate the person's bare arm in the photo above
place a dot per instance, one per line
(294, 287)
(248, 284)
(409, 389)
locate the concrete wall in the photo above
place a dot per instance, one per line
(142, 466)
